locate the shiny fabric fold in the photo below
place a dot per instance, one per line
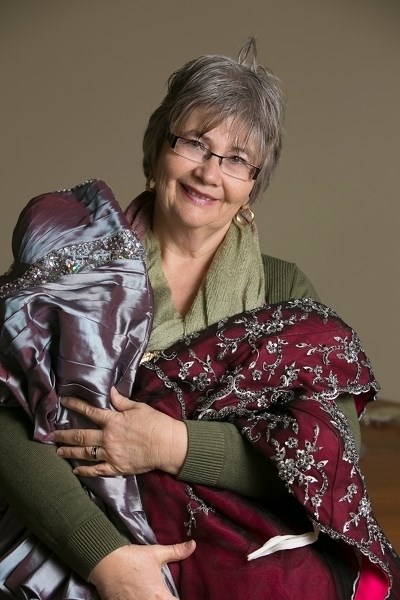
(76, 311)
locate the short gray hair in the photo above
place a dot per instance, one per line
(223, 88)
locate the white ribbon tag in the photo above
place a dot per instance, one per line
(285, 542)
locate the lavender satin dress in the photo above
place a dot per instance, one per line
(76, 315)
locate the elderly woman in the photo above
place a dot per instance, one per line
(195, 446)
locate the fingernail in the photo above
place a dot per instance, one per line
(60, 452)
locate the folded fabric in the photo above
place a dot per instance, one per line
(75, 312)
(275, 372)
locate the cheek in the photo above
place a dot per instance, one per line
(164, 182)
(240, 194)
(168, 171)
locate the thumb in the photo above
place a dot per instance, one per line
(174, 552)
(119, 401)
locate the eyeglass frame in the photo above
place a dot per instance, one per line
(172, 139)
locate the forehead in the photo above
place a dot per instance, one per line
(230, 132)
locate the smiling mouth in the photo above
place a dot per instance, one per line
(196, 195)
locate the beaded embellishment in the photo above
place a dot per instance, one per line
(76, 257)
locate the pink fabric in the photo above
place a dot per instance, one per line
(373, 583)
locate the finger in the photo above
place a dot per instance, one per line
(99, 470)
(174, 552)
(76, 437)
(119, 401)
(97, 415)
(81, 453)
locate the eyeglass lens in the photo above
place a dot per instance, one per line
(233, 166)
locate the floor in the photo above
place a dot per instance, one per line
(380, 458)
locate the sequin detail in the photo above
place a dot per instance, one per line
(76, 257)
(80, 185)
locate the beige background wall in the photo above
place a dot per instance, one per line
(79, 79)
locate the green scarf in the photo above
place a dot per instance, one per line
(234, 283)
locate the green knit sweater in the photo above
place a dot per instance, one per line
(49, 499)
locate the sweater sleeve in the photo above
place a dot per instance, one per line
(218, 455)
(46, 495)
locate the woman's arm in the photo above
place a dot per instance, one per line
(221, 457)
(53, 504)
(42, 490)
(49, 499)
(136, 438)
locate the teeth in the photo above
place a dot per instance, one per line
(200, 196)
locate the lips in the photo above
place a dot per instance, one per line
(197, 196)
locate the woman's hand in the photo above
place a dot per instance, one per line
(133, 439)
(134, 572)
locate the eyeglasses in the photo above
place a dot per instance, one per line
(235, 166)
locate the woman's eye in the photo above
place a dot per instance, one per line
(237, 160)
(194, 144)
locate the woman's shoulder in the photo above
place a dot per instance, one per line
(284, 280)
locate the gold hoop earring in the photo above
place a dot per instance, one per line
(149, 186)
(244, 217)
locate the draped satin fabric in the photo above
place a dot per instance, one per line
(76, 314)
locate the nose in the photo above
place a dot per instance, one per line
(209, 171)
